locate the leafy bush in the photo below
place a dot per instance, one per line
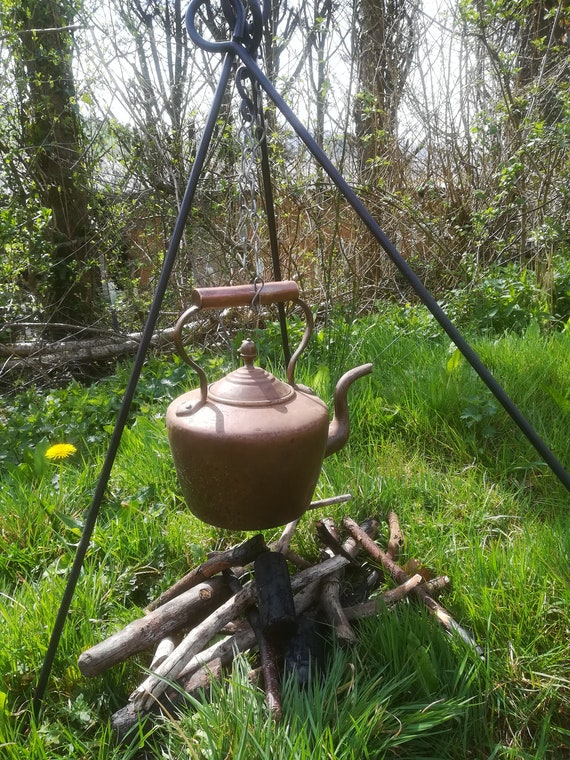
(506, 298)
(23, 249)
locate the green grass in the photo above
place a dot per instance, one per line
(428, 441)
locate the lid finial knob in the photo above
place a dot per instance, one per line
(248, 352)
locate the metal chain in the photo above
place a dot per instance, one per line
(248, 229)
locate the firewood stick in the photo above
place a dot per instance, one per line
(330, 500)
(284, 540)
(352, 547)
(203, 677)
(317, 572)
(191, 606)
(194, 641)
(242, 554)
(197, 638)
(274, 595)
(331, 585)
(234, 626)
(437, 584)
(330, 596)
(307, 597)
(224, 650)
(396, 537)
(370, 527)
(327, 532)
(300, 562)
(165, 647)
(330, 601)
(268, 657)
(123, 721)
(375, 606)
(441, 614)
(395, 594)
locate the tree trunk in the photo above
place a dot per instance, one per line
(384, 50)
(53, 140)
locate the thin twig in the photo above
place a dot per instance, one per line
(330, 500)
(375, 606)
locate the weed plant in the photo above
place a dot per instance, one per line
(428, 441)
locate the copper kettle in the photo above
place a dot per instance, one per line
(248, 448)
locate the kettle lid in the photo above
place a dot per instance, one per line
(249, 385)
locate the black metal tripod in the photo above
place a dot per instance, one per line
(246, 19)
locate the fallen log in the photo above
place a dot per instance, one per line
(30, 354)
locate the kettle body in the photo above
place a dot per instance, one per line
(243, 470)
(248, 449)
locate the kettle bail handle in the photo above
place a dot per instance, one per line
(242, 295)
(304, 340)
(177, 337)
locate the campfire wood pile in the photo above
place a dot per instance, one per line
(273, 612)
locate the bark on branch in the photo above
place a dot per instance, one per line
(189, 608)
(146, 694)
(400, 576)
(29, 354)
(237, 556)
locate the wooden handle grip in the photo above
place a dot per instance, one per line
(243, 295)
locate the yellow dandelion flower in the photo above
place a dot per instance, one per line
(60, 451)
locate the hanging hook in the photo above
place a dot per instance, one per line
(255, 27)
(248, 108)
(256, 300)
(244, 33)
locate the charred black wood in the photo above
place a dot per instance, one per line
(330, 540)
(267, 653)
(274, 596)
(304, 652)
(358, 589)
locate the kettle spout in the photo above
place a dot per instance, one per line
(339, 428)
